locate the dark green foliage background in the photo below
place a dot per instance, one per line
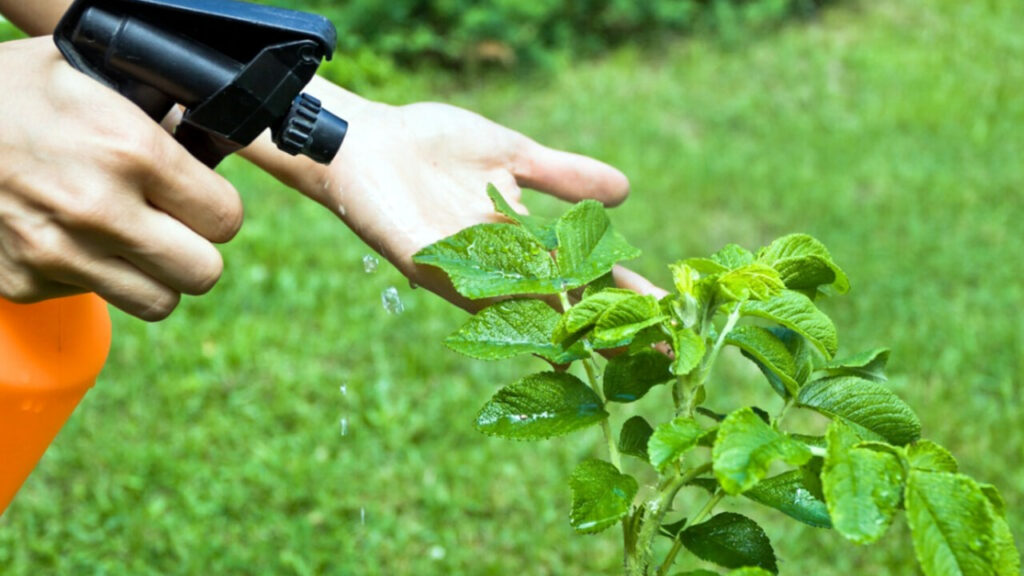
(893, 130)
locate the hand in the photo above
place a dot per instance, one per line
(409, 176)
(95, 196)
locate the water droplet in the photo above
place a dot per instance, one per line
(437, 552)
(362, 516)
(344, 389)
(390, 300)
(341, 210)
(344, 426)
(370, 263)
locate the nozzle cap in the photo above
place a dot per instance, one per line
(310, 130)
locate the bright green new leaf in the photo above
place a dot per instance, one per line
(541, 229)
(804, 264)
(673, 439)
(796, 312)
(732, 257)
(928, 456)
(633, 438)
(754, 281)
(862, 487)
(620, 323)
(749, 571)
(956, 529)
(994, 498)
(588, 247)
(770, 354)
(868, 406)
(684, 277)
(730, 540)
(510, 328)
(689, 350)
(628, 377)
(869, 365)
(601, 496)
(489, 260)
(541, 406)
(789, 493)
(745, 447)
(586, 312)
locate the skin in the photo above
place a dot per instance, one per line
(127, 213)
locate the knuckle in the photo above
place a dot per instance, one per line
(138, 153)
(87, 209)
(229, 218)
(160, 307)
(19, 288)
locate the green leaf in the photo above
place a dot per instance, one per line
(541, 406)
(745, 447)
(804, 264)
(603, 283)
(928, 456)
(697, 573)
(633, 438)
(731, 540)
(771, 356)
(628, 377)
(684, 277)
(689, 350)
(994, 498)
(789, 493)
(585, 314)
(749, 571)
(955, 527)
(671, 440)
(704, 266)
(510, 328)
(588, 247)
(541, 229)
(796, 312)
(869, 365)
(874, 410)
(620, 323)
(732, 256)
(490, 260)
(862, 486)
(601, 496)
(756, 281)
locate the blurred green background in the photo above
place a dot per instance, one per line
(893, 130)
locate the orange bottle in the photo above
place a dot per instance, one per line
(50, 355)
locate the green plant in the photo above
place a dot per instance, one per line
(853, 475)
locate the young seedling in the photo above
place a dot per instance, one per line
(868, 465)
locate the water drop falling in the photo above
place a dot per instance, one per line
(344, 426)
(341, 210)
(344, 389)
(437, 552)
(370, 263)
(391, 302)
(362, 516)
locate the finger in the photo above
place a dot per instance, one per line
(123, 285)
(568, 176)
(626, 278)
(198, 197)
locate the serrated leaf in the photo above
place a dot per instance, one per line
(732, 256)
(673, 439)
(956, 529)
(541, 229)
(588, 247)
(731, 540)
(749, 571)
(801, 351)
(705, 266)
(601, 496)
(862, 486)
(634, 437)
(928, 456)
(697, 573)
(619, 323)
(646, 339)
(804, 263)
(869, 365)
(788, 493)
(868, 406)
(994, 498)
(602, 283)
(684, 277)
(689, 349)
(541, 406)
(490, 260)
(755, 281)
(585, 314)
(745, 447)
(628, 377)
(771, 356)
(511, 328)
(798, 313)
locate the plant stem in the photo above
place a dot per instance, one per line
(709, 360)
(677, 544)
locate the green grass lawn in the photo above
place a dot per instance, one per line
(892, 130)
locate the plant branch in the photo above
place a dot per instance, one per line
(677, 543)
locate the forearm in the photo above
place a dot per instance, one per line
(37, 17)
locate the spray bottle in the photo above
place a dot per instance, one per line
(237, 69)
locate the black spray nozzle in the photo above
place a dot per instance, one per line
(238, 68)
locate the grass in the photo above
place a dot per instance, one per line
(891, 130)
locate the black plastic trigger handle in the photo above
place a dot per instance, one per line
(237, 68)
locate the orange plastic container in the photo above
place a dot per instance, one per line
(50, 355)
